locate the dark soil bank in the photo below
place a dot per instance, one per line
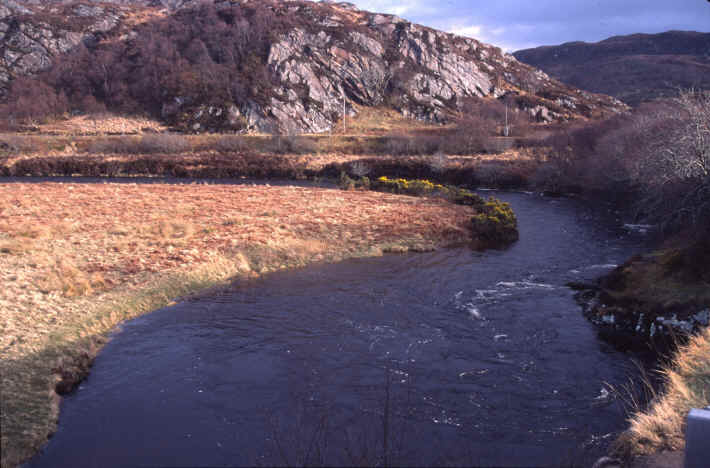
(255, 165)
(453, 357)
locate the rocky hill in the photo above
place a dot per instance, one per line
(286, 66)
(634, 68)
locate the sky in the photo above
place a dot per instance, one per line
(518, 24)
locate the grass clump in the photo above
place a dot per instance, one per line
(687, 385)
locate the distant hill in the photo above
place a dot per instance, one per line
(634, 68)
(267, 65)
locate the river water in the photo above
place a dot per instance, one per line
(452, 357)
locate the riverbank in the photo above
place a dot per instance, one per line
(658, 299)
(652, 297)
(79, 259)
(253, 156)
(661, 427)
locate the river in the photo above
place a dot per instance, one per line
(451, 357)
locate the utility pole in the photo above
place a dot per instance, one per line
(343, 110)
(506, 130)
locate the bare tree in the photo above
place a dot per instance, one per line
(674, 161)
(359, 168)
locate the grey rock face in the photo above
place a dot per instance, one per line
(28, 47)
(358, 67)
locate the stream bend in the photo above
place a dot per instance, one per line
(451, 357)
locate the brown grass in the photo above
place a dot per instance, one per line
(101, 124)
(78, 259)
(386, 121)
(687, 385)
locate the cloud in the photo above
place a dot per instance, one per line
(497, 36)
(514, 24)
(415, 8)
(468, 31)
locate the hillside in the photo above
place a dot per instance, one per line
(634, 69)
(271, 66)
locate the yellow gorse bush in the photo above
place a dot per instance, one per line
(494, 224)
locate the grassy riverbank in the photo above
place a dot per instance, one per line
(670, 289)
(79, 259)
(652, 297)
(656, 300)
(661, 426)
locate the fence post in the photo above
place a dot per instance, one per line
(697, 439)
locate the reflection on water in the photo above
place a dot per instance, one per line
(453, 357)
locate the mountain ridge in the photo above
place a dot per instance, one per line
(634, 68)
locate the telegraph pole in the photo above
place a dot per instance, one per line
(343, 110)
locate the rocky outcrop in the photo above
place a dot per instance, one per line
(332, 59)
(33, 36)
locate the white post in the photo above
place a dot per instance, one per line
(343, 111)
(697, 434)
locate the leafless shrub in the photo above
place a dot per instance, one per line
(439, 161)
(164, 143)
(15, 143)
(549, 178)
(146, 144)
(230, 144)
(482, 120)
(496, 145)
(359, 168)
(673, 160)
(399, 145)
(660, 154)
(295, 144)
(471, 132)
(489, 175)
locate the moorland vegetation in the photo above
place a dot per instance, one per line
(653, 162)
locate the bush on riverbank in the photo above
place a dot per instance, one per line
(494, 224)
(420, 187)
(655, 160)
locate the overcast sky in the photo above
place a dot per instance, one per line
(520, 24)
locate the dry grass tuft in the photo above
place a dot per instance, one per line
(687, 385)
(384, 121)
(169, 229)
(65, 277)
(105, 123)
(16, 246)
